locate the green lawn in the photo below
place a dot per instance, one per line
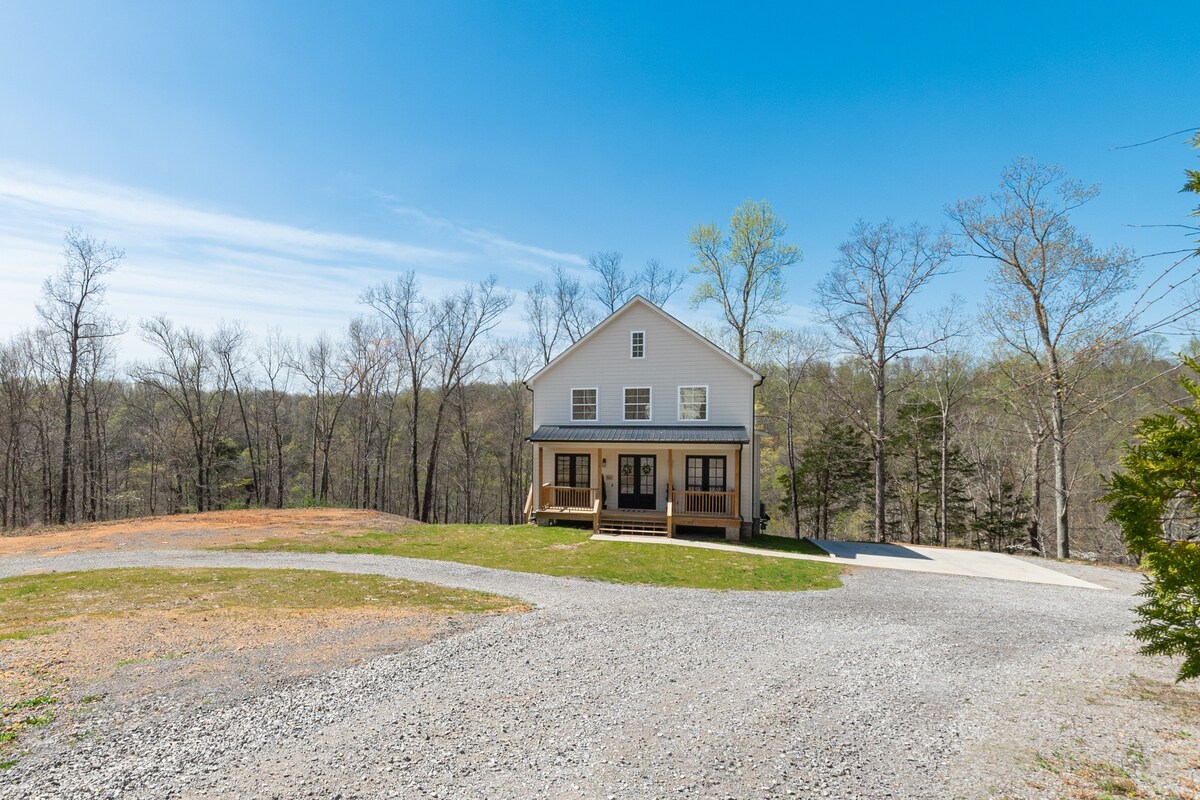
(570, 552)
(29, 602)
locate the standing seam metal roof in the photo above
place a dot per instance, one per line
(695, 434)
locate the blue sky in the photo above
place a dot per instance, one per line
(266, 162)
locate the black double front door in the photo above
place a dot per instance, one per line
(635, 482)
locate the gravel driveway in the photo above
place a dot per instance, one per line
(900, 685)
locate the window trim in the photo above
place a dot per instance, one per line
(679, 403)
(649, 404)
(707, 459)
(571, 403)
(631, 346)
(574, 459)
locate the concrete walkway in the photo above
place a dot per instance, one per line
(944, 561)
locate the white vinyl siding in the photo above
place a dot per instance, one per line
(637, 404)
(585, 406)
(693, 403)
(637, 344)
(676, 358)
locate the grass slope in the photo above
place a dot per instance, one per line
(569, 552)
(28, 603)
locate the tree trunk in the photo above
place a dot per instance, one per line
(427, 503)
(414, 451)
(791, 459)
(943, 536)
(916, 529)
(880, 466)
(1035, 495)
(64, 479)
(1061, 492)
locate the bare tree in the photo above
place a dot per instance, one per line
(18, 387)
(794, 354)
(1053, 292)
(866, 299)
(557, 313)
(467, 317)
(413, 322)
(514, 360)
(571, 305)
(71, 312)
(613, 285)
(743, 270)
(190, 378)
(275, 359)
(229, 345)
(659, 284)
(950, 372)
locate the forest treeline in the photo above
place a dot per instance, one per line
(988, 427)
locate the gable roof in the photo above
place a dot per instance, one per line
(637, 300)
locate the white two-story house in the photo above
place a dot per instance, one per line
(643, 425)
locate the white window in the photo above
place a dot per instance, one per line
(583, 405)
(637, 344)
(693, 402)
(637, 403)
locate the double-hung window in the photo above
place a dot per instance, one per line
(637, 404)
(584, 407)
(637, 344)
(693, 402)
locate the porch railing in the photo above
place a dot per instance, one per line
(704, 504)
(569, 497)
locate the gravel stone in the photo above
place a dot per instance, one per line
(899, 685)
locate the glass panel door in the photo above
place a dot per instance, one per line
(636, 482)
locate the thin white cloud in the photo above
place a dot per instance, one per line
(199, 266)
(118, 206)
(490, 239)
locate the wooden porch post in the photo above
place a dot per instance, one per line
(537, 476)
(737, 480)
(670, 492)
(598, 484)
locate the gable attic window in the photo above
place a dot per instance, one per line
(693, 402)
(583, 405)
(637, 404)
(637, 344)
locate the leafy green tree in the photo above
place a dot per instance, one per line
(743, 270)
(1193, 183)
(917, 473)
(831, 477)
(1004, 517)
(1156, 501)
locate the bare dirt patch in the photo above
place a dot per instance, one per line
(192, 531)
(99, 663)
(72, 644)
(223, 651)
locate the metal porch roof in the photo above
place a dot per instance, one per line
(691, 434)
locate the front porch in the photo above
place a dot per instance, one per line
(701, 509)
(641, 486)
